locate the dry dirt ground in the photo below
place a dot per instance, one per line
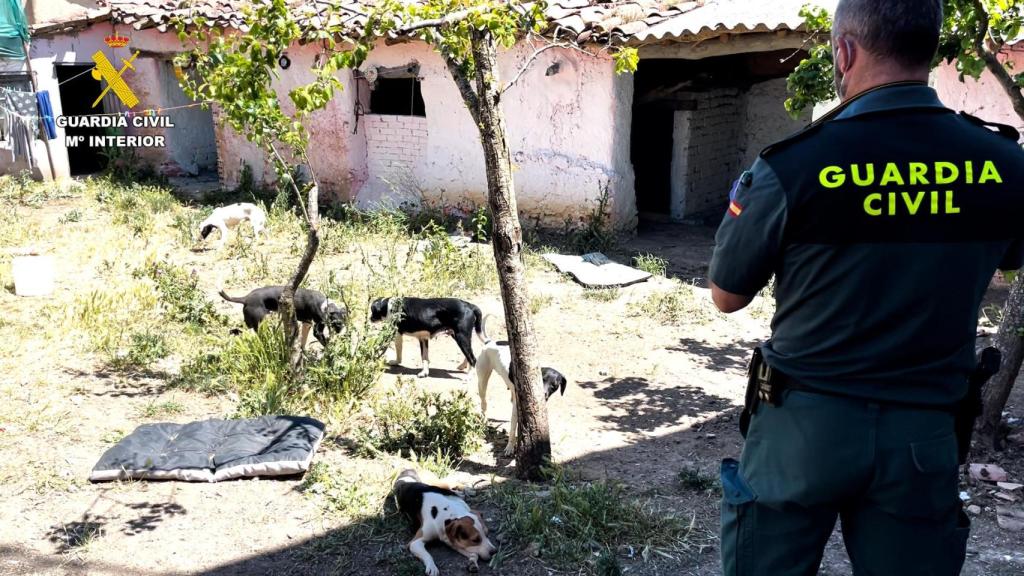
(646, 400)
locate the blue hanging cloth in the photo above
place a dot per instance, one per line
(46, 112)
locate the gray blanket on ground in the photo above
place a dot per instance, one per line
(213, 450)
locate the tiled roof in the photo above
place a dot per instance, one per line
(629, 21)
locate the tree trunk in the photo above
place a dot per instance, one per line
(1009, 340)
(482, 97)
(286, 306)
(1011, 343)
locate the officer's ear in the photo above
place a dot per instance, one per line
(846, 53)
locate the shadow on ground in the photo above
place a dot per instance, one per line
(720, 358)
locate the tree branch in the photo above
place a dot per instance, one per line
(452, 18)
(993, 64)
(467, 90)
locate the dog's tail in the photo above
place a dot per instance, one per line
(225, 296)
(405, 478)
(483, 329)
(478, 324)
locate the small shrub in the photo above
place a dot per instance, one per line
(255, 364)
(144, 349)
(70, 217)
(582, 525)
(601, 294)
(348, 369)
(423, 423)
(480, 224)
(596, 234)
(694, 479)
(180, 294)
(651, 264)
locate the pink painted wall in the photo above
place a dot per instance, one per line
(983, 98)
(568, 135)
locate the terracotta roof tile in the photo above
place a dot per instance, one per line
(595, 20)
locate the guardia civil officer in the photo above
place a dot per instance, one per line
(883, 225)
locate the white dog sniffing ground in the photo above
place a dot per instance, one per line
(230, 216)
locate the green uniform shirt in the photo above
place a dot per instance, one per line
(883, 227)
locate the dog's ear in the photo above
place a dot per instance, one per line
(206, 230)
(562, 386)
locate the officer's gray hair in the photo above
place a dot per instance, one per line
(906, 31)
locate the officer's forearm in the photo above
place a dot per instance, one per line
(727, 301)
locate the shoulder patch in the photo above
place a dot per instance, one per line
(1004, 130)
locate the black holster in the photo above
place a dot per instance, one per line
(968, 410)
(759, 389)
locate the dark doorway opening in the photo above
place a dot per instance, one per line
(651, 153)
(78, 90)
(696, 122)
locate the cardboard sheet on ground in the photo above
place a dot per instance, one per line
(609, 275)
(213, 450)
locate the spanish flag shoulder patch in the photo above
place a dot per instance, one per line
(735, 209)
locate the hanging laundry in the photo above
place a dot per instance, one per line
(46, 111)
(23, 120)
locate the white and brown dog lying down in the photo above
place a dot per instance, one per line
(230, 216)
(496, 356)
(425, 318)
(438, 513)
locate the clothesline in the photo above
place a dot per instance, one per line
(128, 114)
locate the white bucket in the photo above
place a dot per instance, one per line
(33, 275)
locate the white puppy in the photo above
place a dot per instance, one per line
(496, 357)
(227, 217)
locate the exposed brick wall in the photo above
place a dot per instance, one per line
(394, 145)
(709, 151)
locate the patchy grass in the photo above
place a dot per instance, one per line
(163, 409)
(359, 500)
(601, 294)
(539, 301)
(587, 526)
(679, 305)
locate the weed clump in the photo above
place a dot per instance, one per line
(408, 423)
(651, 264)
(180, 295)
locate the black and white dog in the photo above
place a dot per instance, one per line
(438, 513)
(230, 216)
(311, 308)
(425, 318)
(496, 356)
